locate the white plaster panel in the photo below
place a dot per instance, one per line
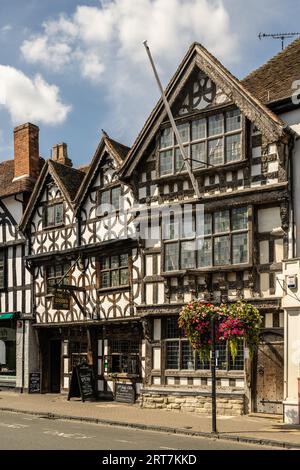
(256, 152)
(100, 346)
(156, 329)
(156, 381)
(268, 219)
(170, 380)
(156, 358)
(264, 252)
(278, 250)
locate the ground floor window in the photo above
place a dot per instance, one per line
(123, 357)
(180, 356)
(7, 348)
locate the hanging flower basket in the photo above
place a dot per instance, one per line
(234, 323)
(195, 324)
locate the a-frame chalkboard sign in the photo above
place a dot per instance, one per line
(82, 383)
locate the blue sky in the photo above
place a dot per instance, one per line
(76, 66)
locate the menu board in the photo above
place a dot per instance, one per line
(34, 382)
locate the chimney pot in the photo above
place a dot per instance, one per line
(60, 154)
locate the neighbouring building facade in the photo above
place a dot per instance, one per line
(18, 347)
(124, 283)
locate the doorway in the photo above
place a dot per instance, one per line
(55, 365)
(269, 376)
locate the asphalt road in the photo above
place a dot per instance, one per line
(25, 432)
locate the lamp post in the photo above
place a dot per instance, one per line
(213, 375)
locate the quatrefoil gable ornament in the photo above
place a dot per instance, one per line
(201, 93)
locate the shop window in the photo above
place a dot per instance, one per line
(180, 355)
(54, 215)
(123, 357)
(114, 271)
(7, 349)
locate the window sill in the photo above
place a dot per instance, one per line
(202, 373)
(197, 271)
(103, 290)
(120, 375)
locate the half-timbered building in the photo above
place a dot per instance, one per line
(124, 281)
(18, 348)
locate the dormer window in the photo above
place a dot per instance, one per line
(215, 139)
(54, 215)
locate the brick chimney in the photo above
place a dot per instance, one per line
(26, 151)
(60, 154)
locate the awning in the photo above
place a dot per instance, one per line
(8, 315)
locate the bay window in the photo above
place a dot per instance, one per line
(216, 139)
(224, 241)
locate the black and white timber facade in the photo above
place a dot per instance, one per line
(125, 289)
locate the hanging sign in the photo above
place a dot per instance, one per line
(61, 300)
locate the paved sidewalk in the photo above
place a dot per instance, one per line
(244, 428)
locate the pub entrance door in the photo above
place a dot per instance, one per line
(55, 365)
(269, 375)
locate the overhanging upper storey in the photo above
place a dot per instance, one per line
(202, 84)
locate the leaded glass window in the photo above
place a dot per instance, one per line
(54, 215)
(215, 139)
(114, 271)
(217, 239)
(180, 355)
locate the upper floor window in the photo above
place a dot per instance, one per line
(223, 241)
(55, 274)
(215, 140)
(2, 269)
(110, 197)
(54, 215)
(114, 271)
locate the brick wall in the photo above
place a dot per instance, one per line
(26, 151)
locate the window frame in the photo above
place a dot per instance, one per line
(179, 240)
(133, 352)
(67, 280)
(49, 206)
(110, 270)
(109, 189)
(198, 117)
(230, 368)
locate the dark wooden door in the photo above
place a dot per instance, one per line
(55, 366)
(269, 378)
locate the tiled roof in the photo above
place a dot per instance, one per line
(9, 187)
(71, 178)
(120, 149)
(273, 80)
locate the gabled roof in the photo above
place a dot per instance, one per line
(269, 124)
(115, 149)
(66, 178)
(8, 187)
(273, 80)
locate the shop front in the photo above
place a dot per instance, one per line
(8, 350)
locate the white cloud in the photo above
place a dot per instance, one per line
(94, 37)
(29, 99)
(6, 28)
(104, 43)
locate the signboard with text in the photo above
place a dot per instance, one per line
(61, 300)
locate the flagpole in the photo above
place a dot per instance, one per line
(173, 124)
